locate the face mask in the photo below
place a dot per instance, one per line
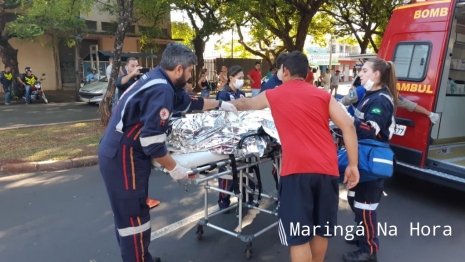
(239, 83)
(280, 74)
(369, 84)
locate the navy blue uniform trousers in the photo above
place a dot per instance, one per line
(125, 170)
(364, 200)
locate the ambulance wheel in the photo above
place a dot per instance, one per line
(199, 232)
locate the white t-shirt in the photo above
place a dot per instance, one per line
(108, 72)
(326, 79)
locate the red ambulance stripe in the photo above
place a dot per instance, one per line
(133, 129)
(141, 241)
(373, 230)
(135, 242)
(367, 230)
(124, 167)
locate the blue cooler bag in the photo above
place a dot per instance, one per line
(375, 160)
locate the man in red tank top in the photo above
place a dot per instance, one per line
(308, 190)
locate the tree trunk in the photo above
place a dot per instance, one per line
(9, 56)
(77, 66)
(125, 9)
(199, 47)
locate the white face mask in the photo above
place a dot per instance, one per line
(239, 83)
(369, 84)
(280, 74)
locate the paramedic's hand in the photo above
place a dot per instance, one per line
(179, 172)
(434, 117)
(228, 107)
(351, 176)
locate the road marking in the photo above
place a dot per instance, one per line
(181, 223)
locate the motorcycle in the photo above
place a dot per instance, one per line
(36, 93)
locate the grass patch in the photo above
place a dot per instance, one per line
(56, 142)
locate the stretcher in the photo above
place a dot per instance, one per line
(236, 169)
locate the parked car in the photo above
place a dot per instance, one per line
(93, 93)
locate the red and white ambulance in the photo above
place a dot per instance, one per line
(426, 41)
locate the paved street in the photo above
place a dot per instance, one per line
(65, 216)
(17, 115)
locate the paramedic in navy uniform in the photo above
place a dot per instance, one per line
(231, 91)
(136, 134)
(374, 119)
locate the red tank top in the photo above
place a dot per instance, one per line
(301, 115)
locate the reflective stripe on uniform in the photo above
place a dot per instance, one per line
(365, 206)
(359, 114)
(129, 231)
(147, 141)
(375, 126)
(120, 125)
(351, 193)
(282, 233)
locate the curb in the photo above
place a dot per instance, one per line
(45, 166)
(49, 124)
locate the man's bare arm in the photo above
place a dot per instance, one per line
(255, 103)
(166, 161)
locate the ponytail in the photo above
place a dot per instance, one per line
(392, 83)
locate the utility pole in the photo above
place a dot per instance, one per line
(330, 51)
(232, 42)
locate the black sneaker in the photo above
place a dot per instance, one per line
(359, 256)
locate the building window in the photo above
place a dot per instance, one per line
(109, 27)
(131, 29)
(411, 60)
(91, 25)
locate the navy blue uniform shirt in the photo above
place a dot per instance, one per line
(150, 102)
(271, 83)
(374, 116)
(121, 87)
(227, 94)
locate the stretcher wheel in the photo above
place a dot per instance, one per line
(248, 254)
(248, 251)
(199, 232)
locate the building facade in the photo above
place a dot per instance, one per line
(57, 61)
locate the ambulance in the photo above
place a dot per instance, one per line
(426, 41)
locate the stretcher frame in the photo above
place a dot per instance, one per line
(242, 163)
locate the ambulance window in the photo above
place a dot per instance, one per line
(411, 60)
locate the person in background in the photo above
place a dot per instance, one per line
(325, 80)
(93, 76)
(310, 77)
(6, 79)
(28, 80)
(335, 79)
(204, 84)
(223, 77)
(270, 73)
(275, 80)
(109, 68)
(309, 184)
(255, 77)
